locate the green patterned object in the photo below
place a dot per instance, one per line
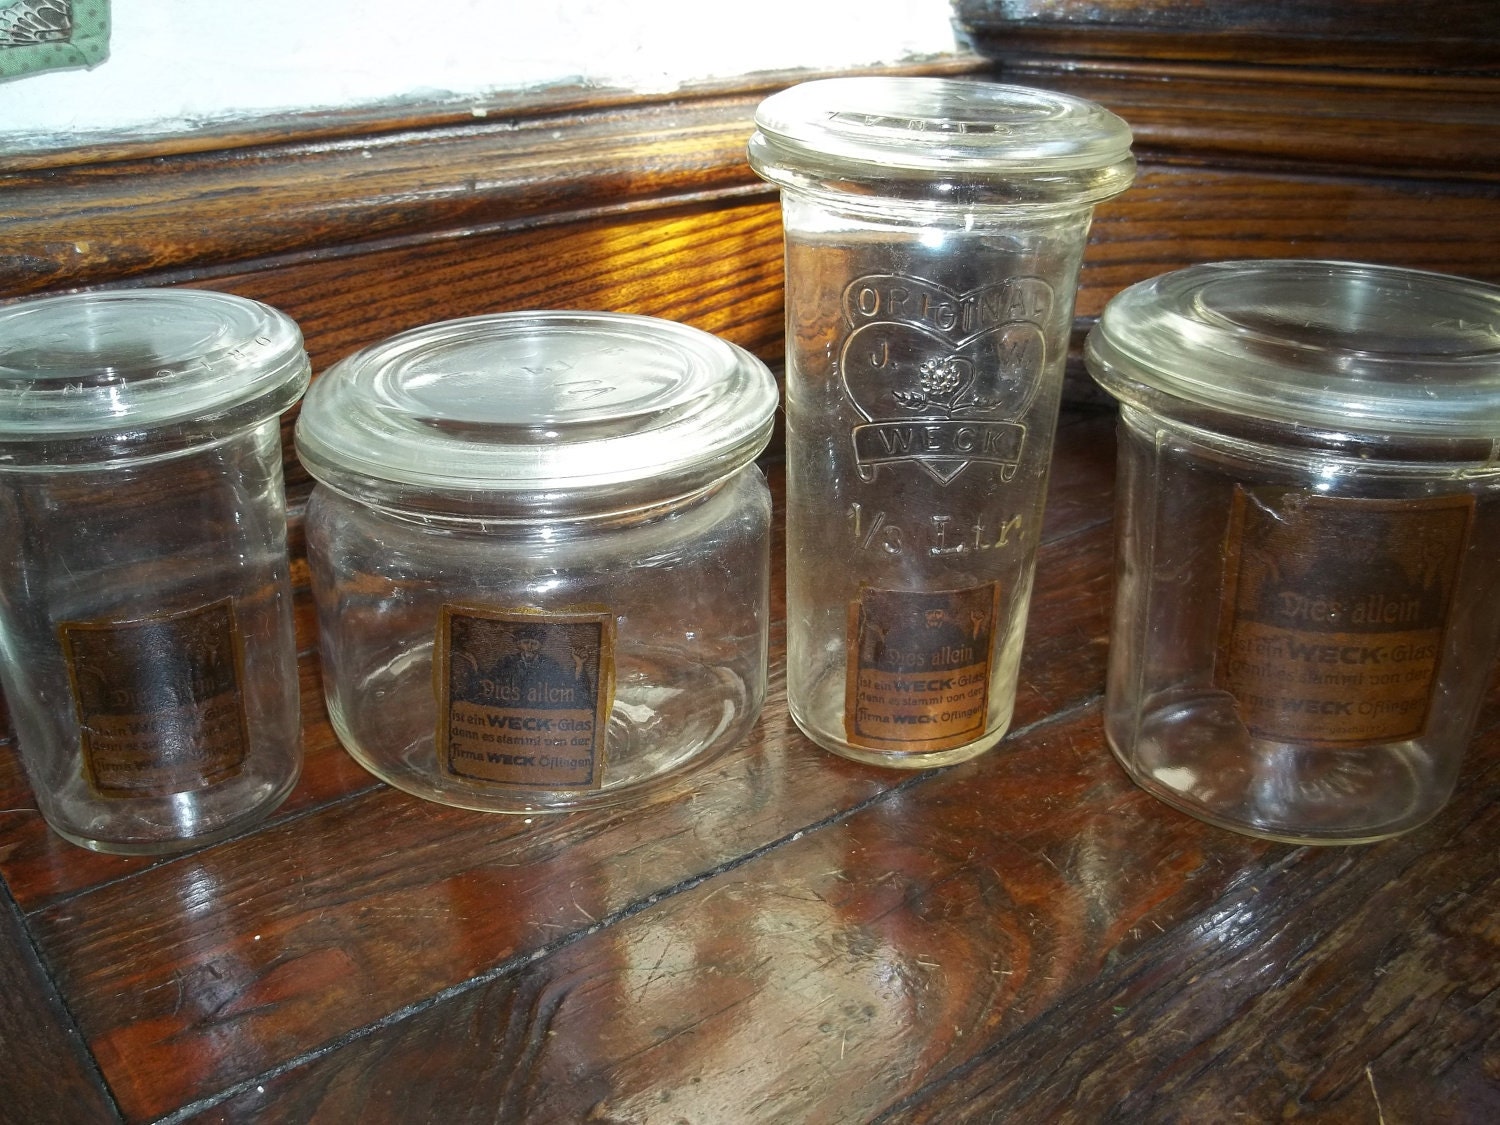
(38, 35)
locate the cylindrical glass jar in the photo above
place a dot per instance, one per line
(934, 232)
(145, 606)
(1308, 602)
(539, 551)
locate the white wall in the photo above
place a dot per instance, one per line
(179, 64)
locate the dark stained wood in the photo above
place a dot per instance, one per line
(1422, 126)
(40, 866)
(720, 267)
(649, 206)
(1461, 35)
(823, 980)
(296, 958)
(785, 936)
(359, 236)
(779, 935)
(995, 940)
(1175, 216)
(1390, 1012)
(125, 219)
(48, 1074)
(717, 266)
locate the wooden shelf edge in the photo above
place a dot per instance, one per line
(309, 188)
(404, 115)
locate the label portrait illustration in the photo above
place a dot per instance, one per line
(942, 378)
(524, 698)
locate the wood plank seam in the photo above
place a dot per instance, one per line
(1299, 868)
(153, 862)
(512, 964)
(666, 206)
(54, 997)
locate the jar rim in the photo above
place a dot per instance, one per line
(941, 141)
(537, 413)
(1333, 346)
(116, 373)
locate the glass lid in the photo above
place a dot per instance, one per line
(118, 369)
(941, 140)
(527, 414)
(1334, 346)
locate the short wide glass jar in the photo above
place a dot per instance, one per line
(539, 551)
(1308, 602)
(146, 641)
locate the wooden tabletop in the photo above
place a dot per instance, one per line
(781, 936)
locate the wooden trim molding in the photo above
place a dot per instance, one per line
(1412, 35)
(438, 192)
(178, 208)
(187, 216)
(362, 225)
(1425, 127)
(363, 943)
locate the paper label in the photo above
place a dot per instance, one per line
(524, 698)
(919, 668)
(1333, 614)
(159, 701)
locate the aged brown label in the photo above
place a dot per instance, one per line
(524, 698)
(159, 701)
(1331, 626)
(919, 668)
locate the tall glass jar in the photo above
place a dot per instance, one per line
(539, 552)
(146, 643)
(934, 232)
(1308, 605)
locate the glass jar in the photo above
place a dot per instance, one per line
(934, 232)
(1308, 604)
(539, 552)
(145, 606)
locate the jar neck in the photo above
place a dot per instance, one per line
(1304, 449)
(478, 521)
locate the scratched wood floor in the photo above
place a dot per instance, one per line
(781, 937)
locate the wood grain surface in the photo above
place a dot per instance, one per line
(1461, 35)
(650, 206)
(779, 935)
(128, 218)
(49, 1078)
(783, 936)
(1424, 126)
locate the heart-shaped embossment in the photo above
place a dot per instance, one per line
(897, 371)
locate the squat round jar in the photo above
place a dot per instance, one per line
(1308, 601)
(146, 642)
(539, 553)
